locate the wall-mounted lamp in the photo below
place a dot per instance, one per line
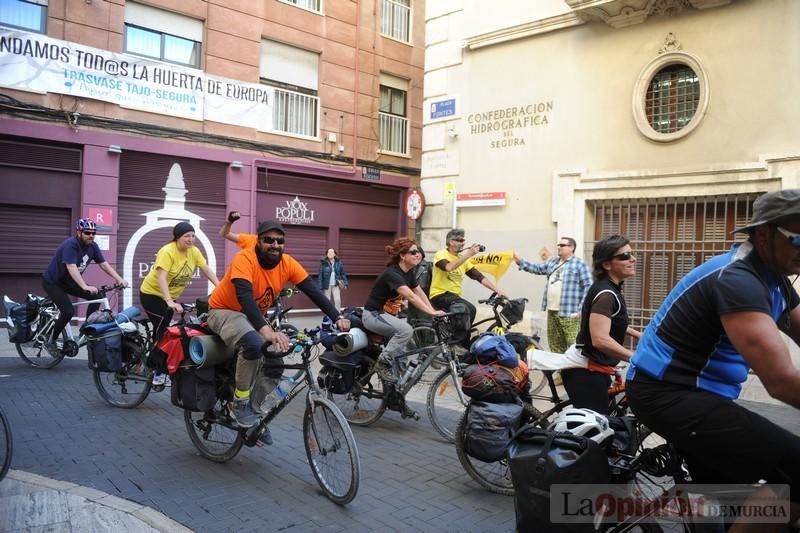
(114, 149)
(237, 164)
(452, 133)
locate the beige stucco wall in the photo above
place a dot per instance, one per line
(748, 140)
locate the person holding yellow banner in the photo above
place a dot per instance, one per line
(568, 281)
(450, 265)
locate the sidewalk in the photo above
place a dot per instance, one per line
(29, 502)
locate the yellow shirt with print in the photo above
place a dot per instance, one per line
(443, 281)
(179, 268)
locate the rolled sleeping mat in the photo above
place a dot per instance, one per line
(209, 350)
(350, 341)
(129, 314)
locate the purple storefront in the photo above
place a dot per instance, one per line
(138, 188)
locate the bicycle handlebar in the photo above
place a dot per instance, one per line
(102, 290)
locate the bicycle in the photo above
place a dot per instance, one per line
(363, 397)
(496, 476)
(278, 319)
(129, 387)
(6, 444)
(33, 351)
(328, 440)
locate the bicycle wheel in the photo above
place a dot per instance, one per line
(33, 352)
(331, 450)
(214, 434)
(537, 380)
(6, 447)
(495, 477)
(364, 404)
(130, 386)
(444, 404)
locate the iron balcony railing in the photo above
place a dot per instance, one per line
(396, 19)
(393, 133)
(295, 113)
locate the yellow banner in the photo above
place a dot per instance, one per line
(494, 263)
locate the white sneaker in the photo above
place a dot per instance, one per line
(160, 379)
(167, 380)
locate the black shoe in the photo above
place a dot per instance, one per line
(265, 437)
(243, 414)
(384, 371)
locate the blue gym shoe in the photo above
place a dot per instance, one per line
(243, 413)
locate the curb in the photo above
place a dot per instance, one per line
(149, 516)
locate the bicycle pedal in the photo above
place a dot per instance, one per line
(157, 388)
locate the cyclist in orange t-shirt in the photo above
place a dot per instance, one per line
(254, 279)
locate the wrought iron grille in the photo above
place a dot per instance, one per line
(669, 237)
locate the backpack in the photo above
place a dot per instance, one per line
(20, 318)
(495, 383)
(173, 347)
(104, 344)
(489, 347)
(538, 459)
(490, 428)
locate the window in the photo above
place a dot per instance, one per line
(396, 19)
(24, 15)
(293, 72)
(671, 98)
(392, 114)
(311, 5)
(162, 35)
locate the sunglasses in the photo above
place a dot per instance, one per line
(794, 238)
(627, 256)
(266, 239)
(559, 245)
(458, 240)
(413, 252)
(89, 233)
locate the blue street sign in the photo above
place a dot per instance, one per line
(445, 108)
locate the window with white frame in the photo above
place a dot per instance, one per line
(162, 35)
(294, 73)
(396, 19)
(393, 114)
(311, 5)
(25, 15)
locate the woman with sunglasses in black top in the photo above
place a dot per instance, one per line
(604, 324)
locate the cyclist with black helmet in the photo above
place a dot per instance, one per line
(64, 275)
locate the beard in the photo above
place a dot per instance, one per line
(270, 258)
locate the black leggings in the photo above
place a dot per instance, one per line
(587, 389)
(158, 312)
(60, 297)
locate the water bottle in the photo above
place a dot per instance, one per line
(277, 395)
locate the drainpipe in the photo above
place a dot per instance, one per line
(355, 95)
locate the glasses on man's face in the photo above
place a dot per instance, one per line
(627, 256)
(561, 245)
(458, 240)
(89, 233)
(794, 238)
(266, 239)
(413, 252)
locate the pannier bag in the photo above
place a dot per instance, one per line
(489, 347)
(490, 427)
(20, 318)
(173, 347)
(539, 459)
(495, 382)
(105, 348)
(337, 374)
(194, 388)
(521, 344)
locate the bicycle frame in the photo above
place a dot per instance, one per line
(52, 312)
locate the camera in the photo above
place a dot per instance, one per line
(481, 248)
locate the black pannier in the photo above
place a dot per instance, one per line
(194, 388)
(105, 350)
(490, 427)
(338, 373)
(20, 318)
(539, 459)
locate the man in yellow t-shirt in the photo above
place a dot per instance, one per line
(450, 265)
(254, 279)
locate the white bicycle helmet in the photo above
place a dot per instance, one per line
(582, 422)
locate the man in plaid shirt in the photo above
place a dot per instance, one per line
(568, 279)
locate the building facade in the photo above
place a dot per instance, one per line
(143, 114)
(658, 119)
